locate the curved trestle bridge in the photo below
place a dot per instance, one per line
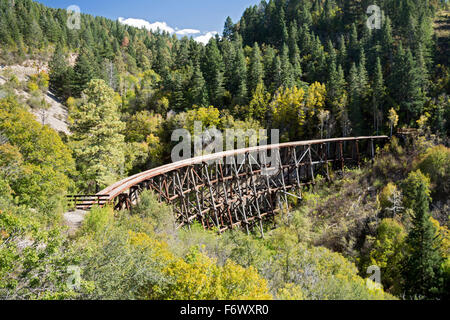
(238, 187)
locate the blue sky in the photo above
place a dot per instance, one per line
(200, 15)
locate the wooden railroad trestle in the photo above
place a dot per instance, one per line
(237, 188)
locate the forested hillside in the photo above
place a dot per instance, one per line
(310, 68)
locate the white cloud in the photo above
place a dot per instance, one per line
(162, 26)
(205, 38)
(185, 32)
(140, 23)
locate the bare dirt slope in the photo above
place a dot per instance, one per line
(56, 115)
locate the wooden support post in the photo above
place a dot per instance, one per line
(311, 166)
(325, 155)
(358, 160)
(372, 151)
(297, 173)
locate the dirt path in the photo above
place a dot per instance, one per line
(74, 220)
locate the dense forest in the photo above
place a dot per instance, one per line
(310, 68)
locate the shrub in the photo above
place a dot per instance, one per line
(97, 219)
(435, 163)
(390, 200)
(32, 86)
(159, 215)
(387, 253)
(39, 154)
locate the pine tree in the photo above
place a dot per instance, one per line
(363, 77)
(240, 76)
(423, 75)
(96, 135)
(287, 71)
(305, 18)
(178, 91)
(213, 69)
(282, 34)
(342, 53)
(335, 84)
(228, 53)
(277, 73)
(197, 92)
(255, 71)
(268, 65)
(228, 29)
(378, 94)
(405, 85)
(84, 72)
(163, 59)
(354, 45)
(355, 98)
(58, 66)
(387, 40)
(422, 269)
(294, 52)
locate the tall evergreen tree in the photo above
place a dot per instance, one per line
(240, 76)
(387, 41)
(84, 71)
(277, 73)
(212, 69)
(96, 135)
(197, 92)
(354, 90)
(58, 81)
(422, 269)
(228, 29)
(378, 95)
(342, 52)
(287, 71)
(405, 85)
(255, 71)
(294, 52)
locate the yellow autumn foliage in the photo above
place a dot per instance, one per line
(316, 98)
(198, 277)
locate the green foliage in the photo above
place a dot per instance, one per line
(390, 200)
(416, 192)
(34, 257)
(435, 163)
(422, 271)
(277, 44)
(388, 252)
(197, 277)
(35, 160)
(141, 125)
(269, 69)
(98, 219)
(97, 138)
(161, 217)
(125, 260)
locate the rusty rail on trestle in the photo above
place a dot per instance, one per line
(219, 192)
